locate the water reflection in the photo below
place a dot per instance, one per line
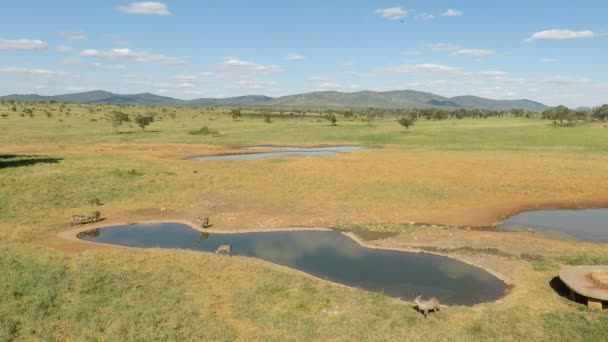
(204, 236)
(585, 225)
(282, 152)
(328, 255)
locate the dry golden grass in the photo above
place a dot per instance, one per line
(443, 172)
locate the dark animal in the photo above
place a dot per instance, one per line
(81, 219)
(78, 219)
(95, 201)
(425, 306)
(92, 232)
(204, 223)
(223, 249)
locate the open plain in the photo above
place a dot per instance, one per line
(438, 187)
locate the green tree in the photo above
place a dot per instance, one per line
(600, 113)
(236, 113)
(117, 118)
(369, 117)
(406, 121)
(331, 117)
(267, 118)
(144, 120)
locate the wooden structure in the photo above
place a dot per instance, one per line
(580, 280)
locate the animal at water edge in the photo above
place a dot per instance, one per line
(223, 249)
(204, 223)
(95, 201)
(78, 219)
(81, 219)
(425, 306)
(94, 216)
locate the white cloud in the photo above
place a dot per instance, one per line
(132, 56)
(411, 53)
(392, 13)
(294, 57)
(561, 35)
(424, 16)
(22, 44)
(148, 8)
(474, 52)
(109, 66)
(188, 78)
(442, 46)
(421, 68)
(549, 60)
(319, 78)
(30, 72)
(329, 85)
(63, 48)
(345, 64)
(73, 35)
(452, 13)
(255, 84)
(237, 67)
(68, 61)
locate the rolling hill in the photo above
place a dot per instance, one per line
(325, 99)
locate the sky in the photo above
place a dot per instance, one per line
(551, 51)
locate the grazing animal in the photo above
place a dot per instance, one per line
(204, 223)
(92, 232)
(78, 219)
(425, 306)
(95, 201)
(81, 219)
(94, 216)
(223, 249)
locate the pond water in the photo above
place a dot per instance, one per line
(328, 255)
(282, 151)
(586, 225)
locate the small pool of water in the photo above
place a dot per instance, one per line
(282, 151)
(328, 255)
(585, 225)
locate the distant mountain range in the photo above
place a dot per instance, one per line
(324, 99)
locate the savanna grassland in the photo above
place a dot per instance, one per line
(416, 183)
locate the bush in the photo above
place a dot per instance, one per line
(331, 118)
(127, 173)
(406, 121)
(204, 131)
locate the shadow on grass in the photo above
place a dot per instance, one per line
(134, 132)
(561, 289)
(14, 160)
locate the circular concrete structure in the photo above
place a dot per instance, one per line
(583, 280)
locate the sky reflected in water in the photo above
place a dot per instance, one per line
(585, 225)
(328, 255)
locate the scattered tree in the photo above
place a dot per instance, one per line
(236, 113)
(406, 121)
(369, 117)
(267, 118)
(117, 118)
(600, 113)
(331, 117)
(144, 120)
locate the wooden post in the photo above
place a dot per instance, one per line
(594, 304)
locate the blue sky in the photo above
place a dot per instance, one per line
(549, 51)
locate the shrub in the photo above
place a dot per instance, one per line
(331, 118)
(406, 121)
(204, 131)
(127, 173)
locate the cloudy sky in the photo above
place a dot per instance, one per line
(553, 51)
